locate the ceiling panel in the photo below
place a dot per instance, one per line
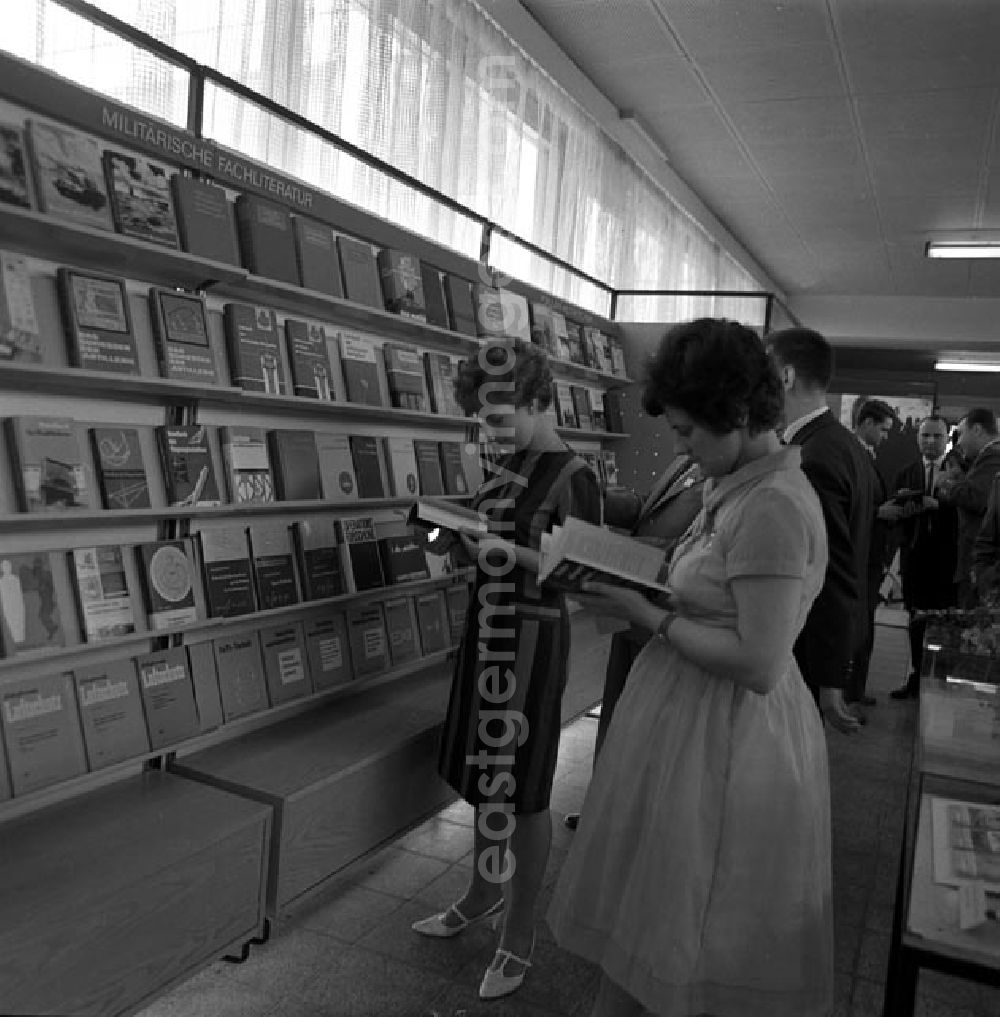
(793, 122)
(799, 72)
(923, 114)
(919, 214)
(652, 84)
(984, 279)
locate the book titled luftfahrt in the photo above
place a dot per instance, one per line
(402, 283)
(121, 473)
(336, 467)
(168, 696)
(247, 464)
(225, 566)
(274, 571)
(47, 462)
(316, 253)
(254, 348)
(204, 220)
(360, 365)
(309, 359)
(20, 336)
(327, 650)
(241, 675)
(102, 593)
(180, 326)
(28, 605)
(187, 465)
(141, 202)
(110, 704)
(41, 730)
(360, 269)
(14, 186)
(286, 667)
(168, 576)
(295, 464)
(369, 645)
(98, 323)
(318, 557)
(69, 177)
(266, 242)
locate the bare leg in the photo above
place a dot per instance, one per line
(614, 1001)
(529, 844)
(482, 893)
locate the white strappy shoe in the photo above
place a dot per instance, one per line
(438, 928)
(495, 982)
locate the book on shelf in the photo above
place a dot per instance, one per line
(168, 574)
(360, 365)
(286, 665)
(516, 319)
(294, 464)
(403, 558)
(579, 552)
(141, 202)
(48, 467)
(266, 242)
(596, 349)
(247, 464)
(14, 186)
(97, 320)
(103, 598)
(543, 331)
(472, 464)
(111, 717)
(167, 696)
(611, 475)
(187, 465)
(253, 348)
(617, 356)
(360, 270)
(327, 651)
(359, 555)
(41, 730)
(205, 679)
(401, 630)
(367, 636)
(240, 671)
(368, 466)
(432, 621)
(338, 481)
(433, 513)
(574, 333)
(69, 177)
(614, 407)
(428, 467)
(461, 307)
(309, 360)
(402, 283)
(401, 465)
(404, 371)
(457, 599)
(435, 301)
(121, 472)
(316, 257)
(565, 408)
(441, 375)
(20, 336)
(180, 327)
(273, 566)
(29, 607)
(226, 573)
(204, 219)
(966, 843)
(597, 417)
(489, 311)
(582, 407)
(318, 556)
(561, 333)
(452, 467)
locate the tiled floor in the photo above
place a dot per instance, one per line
(350, 953)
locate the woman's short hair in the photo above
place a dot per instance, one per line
(719, 373)
(509, 372)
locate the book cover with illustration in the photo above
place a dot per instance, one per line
(168, 576)
(14, 186)
(121, 473)
(110, 704)
(141, 202)
(247, 464)
(69, 176)
(309, 359)
(102, 594)
(180, 326)
(404, 371)
(441, 374)
(187, 466)
(254, 348)
(28, 604)
(20, 336)
(226, 571)
(49, 473)
(97, 321)
(402, 283)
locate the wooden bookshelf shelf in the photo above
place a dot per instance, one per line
(37, 234)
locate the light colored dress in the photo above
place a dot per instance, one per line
(699, 877)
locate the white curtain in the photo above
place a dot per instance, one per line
(436, 89)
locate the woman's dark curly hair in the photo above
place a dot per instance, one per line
(718, 372)
(504, 371)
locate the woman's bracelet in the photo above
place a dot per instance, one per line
(664, 626)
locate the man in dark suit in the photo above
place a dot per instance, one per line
(659, 519)
(841, 473)
(928, 543)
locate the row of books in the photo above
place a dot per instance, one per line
(59, 726)
(231, 570)
(50, 469)
(75, 179)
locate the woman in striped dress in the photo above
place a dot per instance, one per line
(501, 732)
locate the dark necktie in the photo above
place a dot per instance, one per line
(930, 478)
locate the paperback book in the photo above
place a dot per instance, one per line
(98, 324)
(452, 468)
(111, 717)
(247, 464)
(318, 557)
(565, 407)
(404, 371)
(403, 559)
(575, 340)
(402, 283)
(614, 405)
(295, 464)
(316, 256)
(327, 651)
(369, 645)
(273, 569)
(309, 359)
(432, 621)
(489, 311)
(180, 326)
(204, 219)
(102, 593)
(360, 365)
(28, 604)
(360, 270)
(361, 564)
(286, 667)
(514, 311)
(461, 309)
(254, 349)
(14, 186)
(20, 336)
(435, 301)
(121, 472)
(266, 241)
(457, 602)
(336, 467)
(401, 465)
(141, 202)
(582, 407)
(41, 730)
(69, 177)
(441, 376)
(561, 333)
(401, 630)
(187, 466)
(543, 331)
(367, 465)
(48, 468)
(167, 696)
(204, 677)
(168, 577)
(225, 566)
(428, 467)
(617, 357)
(240, 670)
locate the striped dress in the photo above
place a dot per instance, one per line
(501, 732)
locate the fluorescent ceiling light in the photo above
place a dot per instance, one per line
(962, 249)
(968, 365)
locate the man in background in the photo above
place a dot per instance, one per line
(928, 547)
(980, 446)
(842, 476)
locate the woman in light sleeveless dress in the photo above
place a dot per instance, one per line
(699, 877)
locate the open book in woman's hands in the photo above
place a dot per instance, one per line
(437, 512)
